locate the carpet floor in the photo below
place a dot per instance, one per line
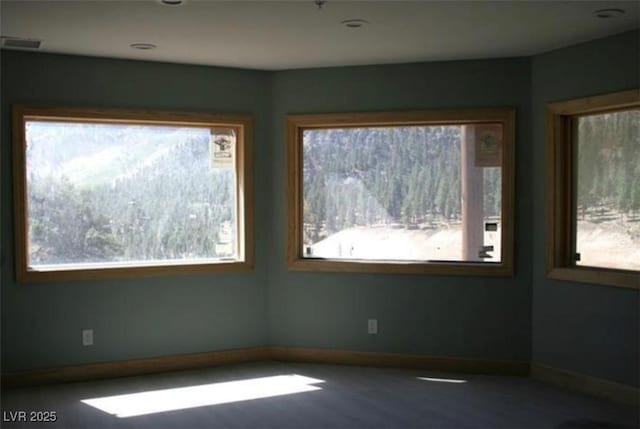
(288, 395)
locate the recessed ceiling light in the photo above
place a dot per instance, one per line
(608, 13)
(172, 2)
(143, 46)
(354, 23)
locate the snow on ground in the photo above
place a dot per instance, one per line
(608, 244)
(389, 243)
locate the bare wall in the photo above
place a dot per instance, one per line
(136, 317)
(480, 317)
(587, 328)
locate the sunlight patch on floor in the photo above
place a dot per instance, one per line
(442, 380)
(158, 401)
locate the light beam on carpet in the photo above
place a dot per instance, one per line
(158, 401)
(442, 380)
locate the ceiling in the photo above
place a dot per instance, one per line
(277, 35)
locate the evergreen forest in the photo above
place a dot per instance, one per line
(608, 181)
(410, 176)
(111, 193)
(403, 176)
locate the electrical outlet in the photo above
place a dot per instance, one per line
(372, 326)
(87, 337)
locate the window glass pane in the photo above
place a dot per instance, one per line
(406, 193)
(127, 194)
(608, 190)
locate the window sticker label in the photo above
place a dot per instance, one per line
(223, 148)
(488, 145)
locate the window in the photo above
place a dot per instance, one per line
(414, 192)
(105, 192)
(593, 189)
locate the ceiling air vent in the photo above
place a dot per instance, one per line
(17, 42)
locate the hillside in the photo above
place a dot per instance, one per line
(101, 194)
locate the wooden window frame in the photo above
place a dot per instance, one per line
(296, 124)
(243, 124)
(560, 195)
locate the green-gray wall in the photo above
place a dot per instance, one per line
(585, 328)
(138, 317)
(439, 315)
(590, 329)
